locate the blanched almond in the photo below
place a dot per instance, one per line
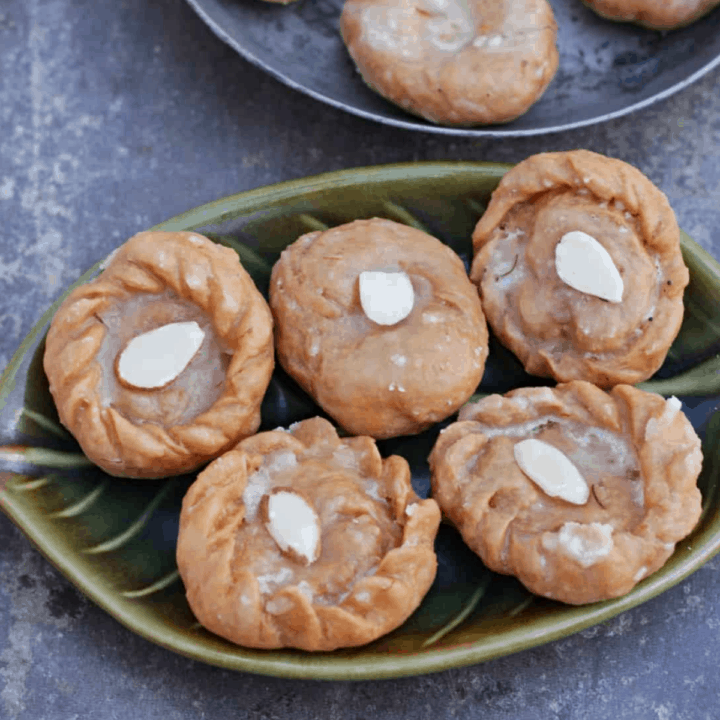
(552, 471)
(585, 265)
(293, 524)
(386, 297)
(155, 358)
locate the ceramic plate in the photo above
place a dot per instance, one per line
(606, 69)
(115, 539)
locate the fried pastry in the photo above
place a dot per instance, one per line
(380, 324)
(160, 363)
(454, 62)
(665, 15)
(578, 493)
(301, 539)
(579, 267)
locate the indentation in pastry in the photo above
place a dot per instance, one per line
(638, 454)
(213, 362)
(375, 559)
(556, 328)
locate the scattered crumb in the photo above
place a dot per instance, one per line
(640, 574)
(272, 580)
(277, 606)
(584, 542)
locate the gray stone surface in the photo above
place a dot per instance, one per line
(117, 115)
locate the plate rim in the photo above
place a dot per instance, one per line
(329, 666)
(488, 131)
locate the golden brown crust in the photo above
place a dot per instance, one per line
(241, 586)
(381, 381)
(640, 455)
(454, 63)
(665, 15)
(183, 270)
(555, 330)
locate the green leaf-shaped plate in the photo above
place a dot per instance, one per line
(115, 539)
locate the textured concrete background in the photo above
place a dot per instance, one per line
(117, 115)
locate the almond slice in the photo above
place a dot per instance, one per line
(293, 524)
(585, 265)
(587, 543)
(552, 471)
(155, 358)
(386, 297)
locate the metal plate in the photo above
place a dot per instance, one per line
(606, 69)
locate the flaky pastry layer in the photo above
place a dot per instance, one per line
(454, 63)
(189, 274)
(556, 330)
(639, 454)
(377, 559)
(375, 380)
